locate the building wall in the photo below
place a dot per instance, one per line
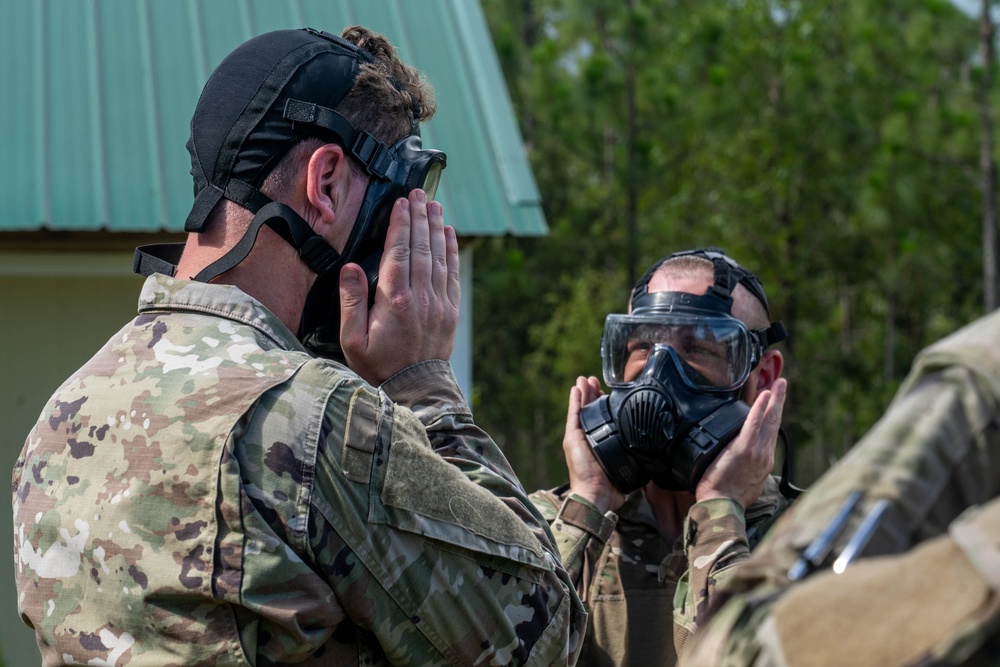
(56, 310)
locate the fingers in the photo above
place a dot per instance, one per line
(573, 412)
(420, 252)
(766, 413)
(593, 390)
(353, 309)
(394, 269)
(764, 418)
(453, 284)
(420, 241)
(438, 249)
(772, 416)
(580, 395)
(762, 426)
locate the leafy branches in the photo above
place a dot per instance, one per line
(832, 147)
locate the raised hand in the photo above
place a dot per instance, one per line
(741, 469)
(415, 312)
(586, 476)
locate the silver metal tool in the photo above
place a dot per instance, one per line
(817, 550)
(861, 536)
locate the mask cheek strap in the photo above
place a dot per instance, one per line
(786, 487)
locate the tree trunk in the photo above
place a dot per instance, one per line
(987, 163)
(631, 184)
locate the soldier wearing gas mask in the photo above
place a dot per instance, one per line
(669, 473)
(273, 462)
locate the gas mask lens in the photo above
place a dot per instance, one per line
(416, 168)
(433, 178)
(711, 353)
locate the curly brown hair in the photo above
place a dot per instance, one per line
(388, 95)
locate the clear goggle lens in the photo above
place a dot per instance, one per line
(432, 179)
(715, 352)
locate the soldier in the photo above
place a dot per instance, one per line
(210, 489)
(918, 496)
(644, 539)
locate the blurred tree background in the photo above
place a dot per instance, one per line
(841, 150)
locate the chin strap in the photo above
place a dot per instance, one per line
(157, 258)
(312, 248)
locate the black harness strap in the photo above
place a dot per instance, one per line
(157, 258)
(312, 248)
(373, 154)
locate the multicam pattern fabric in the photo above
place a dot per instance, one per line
(633, 581)
(931, 593)
(205, 492)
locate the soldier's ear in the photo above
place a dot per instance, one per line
(328, 177)
(769, 369)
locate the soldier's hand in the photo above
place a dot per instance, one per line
(742, 468)
(416, 303)
(586, 476)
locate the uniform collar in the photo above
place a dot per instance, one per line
(161, 292)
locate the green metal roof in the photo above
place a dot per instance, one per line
(98, 95)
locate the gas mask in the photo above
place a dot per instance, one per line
(408, 167)
(676, 373)
(677, 366)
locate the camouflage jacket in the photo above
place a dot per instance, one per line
(632, 580)
(203, 491)
(928, 590)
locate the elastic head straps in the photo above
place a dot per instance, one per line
(727, 275)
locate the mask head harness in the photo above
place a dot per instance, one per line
(267, 95)
(677, 365)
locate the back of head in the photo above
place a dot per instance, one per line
(255, 107)
(267, 106)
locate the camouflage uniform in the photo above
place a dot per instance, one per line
(632, 580)
(932, 596)
(205, 492)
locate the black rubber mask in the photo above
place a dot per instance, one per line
(408, 167)
(661, 429)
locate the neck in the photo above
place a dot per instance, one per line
(272, 273)
(670, 509)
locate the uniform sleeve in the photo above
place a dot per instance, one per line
(430, 391)
(427, 537)
(718, 534)
(581, 533)
(715, 539)
(879, 611)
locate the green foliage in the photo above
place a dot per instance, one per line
(832, 147)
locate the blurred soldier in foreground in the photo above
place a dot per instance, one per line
(919, 492)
